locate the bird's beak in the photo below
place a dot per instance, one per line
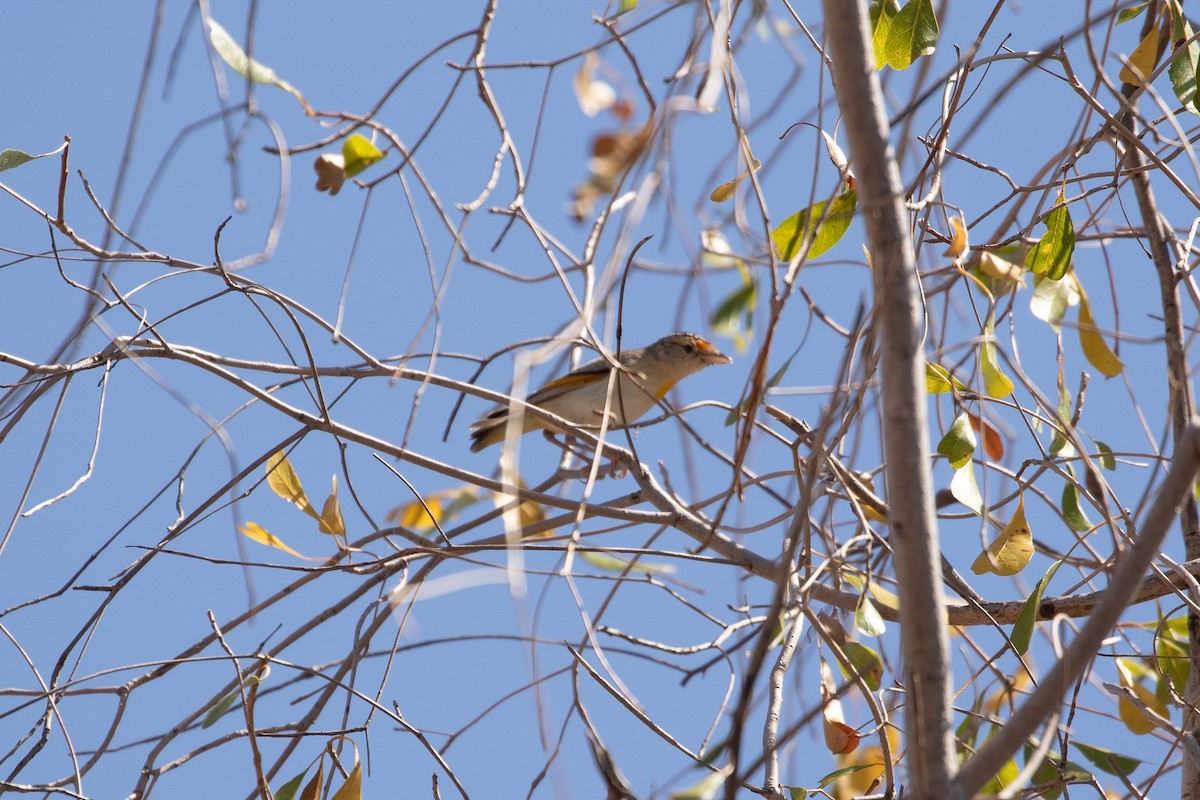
(711, 355)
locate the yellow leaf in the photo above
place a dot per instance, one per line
(958, 241)
(1011, 550)
(995, 382)
(1141, 60)
(1094, 347)
(284, 481)
(331, 521)
(256, 532)
(1136, 719)
(352, 788)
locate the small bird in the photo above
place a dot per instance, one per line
(579, 397)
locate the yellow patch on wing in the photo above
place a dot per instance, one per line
(560, 386)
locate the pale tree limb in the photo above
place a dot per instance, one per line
(980, 768)
(899, 316)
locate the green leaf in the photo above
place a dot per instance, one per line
(1131, 12)
(837, 773)
(233, 55)
(706, 788)
(797, 793)
(1182, 71)
(1107, 459)
(939, 380)
(1051, 299)
(1171, 653)
(1022, 631)
(11, 159)
(868, 619)
(220, 707)
(883, 14)
(1059, 443)
(866, 663)
(913, 33)
(1051, 256)
(1071, 510)
(807, 225)
(958, 445)
(359, 154)
(614, 564)
(625, 6)
(288, 790)
(1107, 760)
(735, 316)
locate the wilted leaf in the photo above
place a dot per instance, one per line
(444, 506)
(993, 443)
(1095, 349)
(1141, 60)
(312, 789)
(1009, 552)
(359, 153)
(840, 738)
(331, 521)
(284, 481)
(258, 533)
(592, 95)
(913, 33)
(823, 229)
(1051, 256)
(958, 445)
(726, 189)
(331, 172)
(958, 239)
(1022, 631)
(715, 250)
(838, 158)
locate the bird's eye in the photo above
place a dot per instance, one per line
(690, 348)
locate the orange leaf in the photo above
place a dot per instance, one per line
(993, 443)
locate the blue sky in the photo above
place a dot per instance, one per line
(75, 70)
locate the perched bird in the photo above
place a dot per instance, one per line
(580, 396)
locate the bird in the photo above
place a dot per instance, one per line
(580, 396)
